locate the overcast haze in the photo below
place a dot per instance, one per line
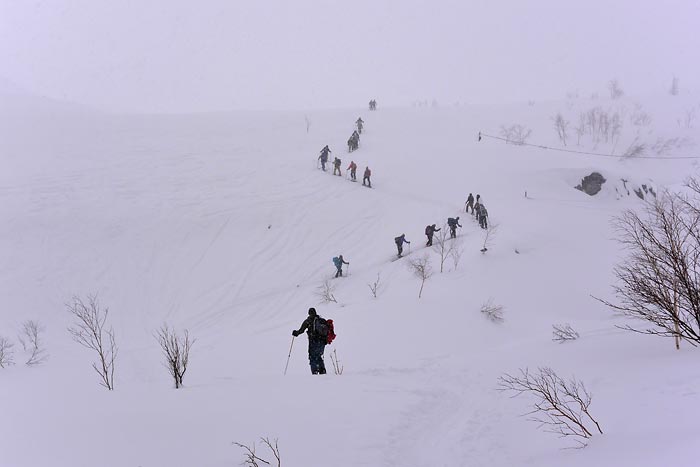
(184, 56)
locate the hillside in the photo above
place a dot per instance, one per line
(222, 224)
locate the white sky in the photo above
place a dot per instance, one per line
(175, 55)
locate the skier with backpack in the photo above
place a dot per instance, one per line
(368, 173)
(429, 232)
(360, 124)
(483, 217)
(339, 261)
(400, 240)
(469, 204)
(324, 156)
(353, 171)
(320, 332)
(453, 223)
(336, 166)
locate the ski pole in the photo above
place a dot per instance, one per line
(347, 270)
(290, 354)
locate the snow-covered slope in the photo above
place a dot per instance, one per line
(222, 224)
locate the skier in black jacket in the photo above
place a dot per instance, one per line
(317, 342)
(429, 231)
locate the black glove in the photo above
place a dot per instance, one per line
(295, 333)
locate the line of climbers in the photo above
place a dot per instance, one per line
(478, 210)
(353, 144)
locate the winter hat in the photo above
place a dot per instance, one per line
(312, 311)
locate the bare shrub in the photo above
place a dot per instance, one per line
(515, 134)
(561, 407)
(639, 117)
(660, 278)
(89, 331)
(30, 338)
(422, 270)
(635, 149)
(456, 253)
(489, 237)
(615, 89)
(688, 118)
(251, 459)
(442, 245)
(325, 292)
(375, 287)
(6, 353)
(561, 126)
(563, 333)
(176, 350)
(337, 367)
(665, 145)
(492, 311)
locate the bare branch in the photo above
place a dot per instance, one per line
(6, 353)
(563, 333)
(422, 270)
(492, 311)
(30, 338)
(325, 292)
(176, 351)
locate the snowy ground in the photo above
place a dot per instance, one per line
(222, 224)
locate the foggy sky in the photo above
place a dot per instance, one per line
(176, 55)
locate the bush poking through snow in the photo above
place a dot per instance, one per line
(375, 287)
(561, 126)
(615, 89)
(6, 353)
(176, 350)
(456, 253)
(30, 338)
(563, 333)
(90, 332)
(515, 134)
(659, 280)
(325, 292)
(561, 407)
(492, 311)
(422, 270)
(489, 236)
(251, 459)
(337, 366)
(443, 246)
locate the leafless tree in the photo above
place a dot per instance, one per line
(492, 311)
(176, 350)
(561, 126)
(337, 367)
(561, 407)
(580, 128)
(422, 270)
(615, 90)
(30, 338)
(308, 123)
(635, 149)
(443, 245)
(375, 287)
(688, 118)
(251, 458)
(639, 117)
(659, 281)
(563, 333)
(325, 292)
(489, 236)
(89, 331)
(673, 90)
(515, 134)
(456, 253)
(6, 353)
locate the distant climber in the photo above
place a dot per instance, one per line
(360, 124)
(453, 223)
(317, 330)
(324, 156)
(400, 240)
(373, 105)
(477, 206)
(429, 232)
(483, 217)
(338, 261)
(469, 204)
(353, 171)
(336, 166)
(368, 173)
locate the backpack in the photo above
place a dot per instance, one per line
(336, 261)
(451, 221)
(320, 328)
(398, 240)
(331, 332)
(429, 230)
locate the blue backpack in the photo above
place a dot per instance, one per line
(337, 262)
